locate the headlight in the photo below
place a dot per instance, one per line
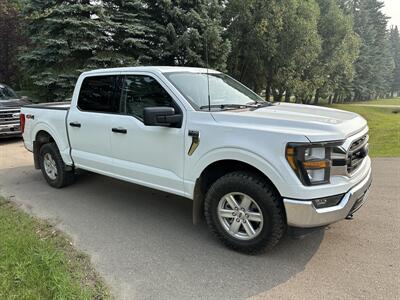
(311, 162)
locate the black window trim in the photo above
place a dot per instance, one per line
(174, 102)
(80, 89)
(122, 76)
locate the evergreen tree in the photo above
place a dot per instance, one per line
(394, 38)
(185, 31)
(130, 28)
(374, 65)
(11, 40)
(68, 37)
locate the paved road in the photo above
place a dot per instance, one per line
(143, 243)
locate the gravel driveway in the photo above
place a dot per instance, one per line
(144, 244)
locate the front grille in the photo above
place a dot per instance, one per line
(9, 116)
(359, 143)
(357, 152)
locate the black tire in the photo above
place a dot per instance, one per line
(63, 177)
(268, 201)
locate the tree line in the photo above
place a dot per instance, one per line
(307, 50)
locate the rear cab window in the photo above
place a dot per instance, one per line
(100, 94)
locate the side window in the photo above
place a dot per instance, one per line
(99, 94)
(140, 91)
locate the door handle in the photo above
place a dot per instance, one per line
(75, 124)
(119, 130)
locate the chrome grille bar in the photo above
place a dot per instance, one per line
(346, 161)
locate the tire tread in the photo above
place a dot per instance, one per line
(64, 177)
(279, 224)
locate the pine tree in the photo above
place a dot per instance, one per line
(68, 37)
(374, 65)
(185, 31)
(12, 39)
(130, 28)
(394, 38)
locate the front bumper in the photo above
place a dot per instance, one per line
(10, 130)
(302, 213)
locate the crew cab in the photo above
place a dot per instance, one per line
(251, 167)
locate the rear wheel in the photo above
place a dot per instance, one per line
(245, 212)
(53, 167)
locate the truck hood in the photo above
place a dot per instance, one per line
(315, 122)
(13, 103)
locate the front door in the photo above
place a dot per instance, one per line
(149, 155)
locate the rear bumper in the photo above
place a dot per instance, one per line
(302, 213)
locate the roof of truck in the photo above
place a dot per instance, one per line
(156, 69)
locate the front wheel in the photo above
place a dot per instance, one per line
(245, 212)
(53, 167)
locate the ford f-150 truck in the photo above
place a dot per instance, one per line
(252, 168)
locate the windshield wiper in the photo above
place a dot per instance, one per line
(225, 106)
(259, 103)
(255, 104)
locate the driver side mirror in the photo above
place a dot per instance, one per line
(161, 116)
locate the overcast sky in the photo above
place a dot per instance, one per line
(392, 10)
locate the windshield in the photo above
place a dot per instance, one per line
(7, 93)
(224, 90)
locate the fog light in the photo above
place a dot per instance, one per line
(327, 201)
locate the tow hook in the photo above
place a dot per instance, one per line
(349, 217)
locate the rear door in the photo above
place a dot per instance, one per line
(89, 123)
(149, 155)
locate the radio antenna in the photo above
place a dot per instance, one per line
(208, 76)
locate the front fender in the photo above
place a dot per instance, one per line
(238, 154)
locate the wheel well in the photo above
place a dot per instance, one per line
(215, 171)
(220, 168)
(42, 137)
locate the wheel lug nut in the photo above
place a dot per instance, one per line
(236, 208)
(247, 216)
(237, 220)
(244, 221)
(233, 214)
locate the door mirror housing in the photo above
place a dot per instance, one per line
(161, 116)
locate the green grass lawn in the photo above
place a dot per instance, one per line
(384, 126)
(37, 262)
(394, 101)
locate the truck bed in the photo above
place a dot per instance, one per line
(51, 105)
(50, 118)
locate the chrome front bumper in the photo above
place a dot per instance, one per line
(302, 213)
(10, 130)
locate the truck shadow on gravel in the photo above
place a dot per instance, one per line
(144, 244)
(10, 140)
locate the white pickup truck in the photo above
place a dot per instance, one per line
(252, 167)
